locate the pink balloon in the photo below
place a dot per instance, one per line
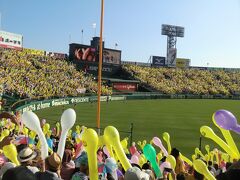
(133, 150)
(134, 159)
(137, 154)
(159, 144)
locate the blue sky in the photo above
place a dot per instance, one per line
(212, 27)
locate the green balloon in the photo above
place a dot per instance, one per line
(150, 154)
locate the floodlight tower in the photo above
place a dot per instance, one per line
(172, 32)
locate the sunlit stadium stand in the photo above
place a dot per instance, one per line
(187, 81)
(27, 75)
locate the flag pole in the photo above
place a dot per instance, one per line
(100, 68)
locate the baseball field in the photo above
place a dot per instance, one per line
(181, 118)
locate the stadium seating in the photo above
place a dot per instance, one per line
(187, 81)
(29, 75)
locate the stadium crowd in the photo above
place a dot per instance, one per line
(21, 158)
(187, 81)
(29, 75)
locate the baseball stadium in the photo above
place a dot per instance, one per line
(90, 114)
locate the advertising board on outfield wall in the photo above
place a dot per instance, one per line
(121, 86)
(11, 40)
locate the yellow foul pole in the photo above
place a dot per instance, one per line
(100, 68)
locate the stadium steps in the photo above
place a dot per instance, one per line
(143, 87)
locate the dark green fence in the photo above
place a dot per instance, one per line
(34, 105)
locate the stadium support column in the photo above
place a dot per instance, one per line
(171, 44)
(100, 69)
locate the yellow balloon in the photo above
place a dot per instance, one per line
(12, 127)
(201, 168)
(69, 135)
(166, 138)
(216, 155)
(100, 141)
(57, 129)
(208, 133)
(207, 148)
(77, 139)
(144, 143)
(25, 131)
(140, 144)
(32, 134)
(50, 150)
(194, 157)
(198, 152)
(228, 137)
(90, 142)
(49, 133)
(159, 156)
(5, 133)
(225, 157)
(10, 152)
(111, 136)
(171, 159)
(142, 160)
(109, 148)
(211, 155)
(17, 128)
(124, 144)
(78, 129)
(46, 128)
(4, 122)
(151, 142)
(184, 158)
(206, 158)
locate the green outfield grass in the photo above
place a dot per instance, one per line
(182, 119)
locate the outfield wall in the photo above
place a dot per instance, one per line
(38, 105)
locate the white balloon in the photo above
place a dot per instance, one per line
(31, 120)
(68, 119)
(158, 143)
(106, 151)
(165, 165)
